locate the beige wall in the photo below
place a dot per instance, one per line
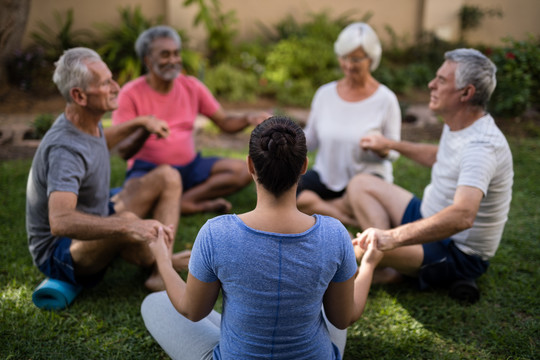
(85, 13)
(520, 18)
(401, 15)
(405, 17)
(441, 17)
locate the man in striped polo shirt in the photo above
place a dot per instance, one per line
(455, 229)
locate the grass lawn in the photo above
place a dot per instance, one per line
(399, 322)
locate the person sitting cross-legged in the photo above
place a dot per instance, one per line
(74, 230)
(178, 99)
(277, 268)
(452, 233)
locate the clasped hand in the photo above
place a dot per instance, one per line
(376, 143)
(156, 126)
(161, 245)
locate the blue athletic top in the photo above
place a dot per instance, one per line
(273, 285)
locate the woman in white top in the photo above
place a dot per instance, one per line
(342, 112)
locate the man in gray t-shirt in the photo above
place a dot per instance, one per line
(452, 233)
(74, 232)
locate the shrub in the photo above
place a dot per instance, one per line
(232, 84)
(41, 124)
(297, 92)
(118, 49)
(518, 76)
(395, 77)
(55, 41)
(307, 61)
(219, 26)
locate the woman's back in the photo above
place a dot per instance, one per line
(273, 285)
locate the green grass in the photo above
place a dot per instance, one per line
(399, 322)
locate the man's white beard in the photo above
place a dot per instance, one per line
(169, 74)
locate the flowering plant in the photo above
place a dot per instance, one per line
(518, 77)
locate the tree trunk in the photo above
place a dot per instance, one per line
(13, 19)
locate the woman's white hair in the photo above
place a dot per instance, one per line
(357, 35)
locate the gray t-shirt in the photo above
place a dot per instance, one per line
(273, 285)
(67, 159)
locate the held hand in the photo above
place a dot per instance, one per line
(383, 239)
(160, 247)
(372, 255)
(376, 143)
(156, 126)
(147, 230)
(255, 118)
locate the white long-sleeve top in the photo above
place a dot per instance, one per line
(335, 127)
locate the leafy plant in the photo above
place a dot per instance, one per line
(118, 50)
(41, 124)
(518, 76)
(471, 17)
(232, 83)
(304, 59)
(219, 26)
(319, 25)
(55, 41)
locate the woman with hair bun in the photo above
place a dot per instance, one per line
(342, 113)
(277, 268)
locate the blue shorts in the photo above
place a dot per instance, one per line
(60, 266)
(443, 262)
(312, 181)
(192, 174)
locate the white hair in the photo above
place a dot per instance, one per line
(476, 69)
(357, 35)
(72, 70)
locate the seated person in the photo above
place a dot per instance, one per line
(71, 234)
(276, 266)
(342, 112)
(452, 233)
(177, 99)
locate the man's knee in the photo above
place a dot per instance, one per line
(240, 170)
(169, 176)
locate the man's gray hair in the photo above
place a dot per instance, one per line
(476, 69)
(72, 70)
(144, 41)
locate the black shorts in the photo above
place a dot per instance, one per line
(312, 181)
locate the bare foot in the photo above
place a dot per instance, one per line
(154, 282)
(387, 275)
(218, 205)
(180, 260)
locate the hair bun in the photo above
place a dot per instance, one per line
(277, 140)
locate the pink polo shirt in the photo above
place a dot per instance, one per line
(180, 107)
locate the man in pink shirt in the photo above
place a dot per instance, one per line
(177, 99)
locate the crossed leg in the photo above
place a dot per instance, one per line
(379, 204)
(309, 202)
(226, 177)
(155, 195)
